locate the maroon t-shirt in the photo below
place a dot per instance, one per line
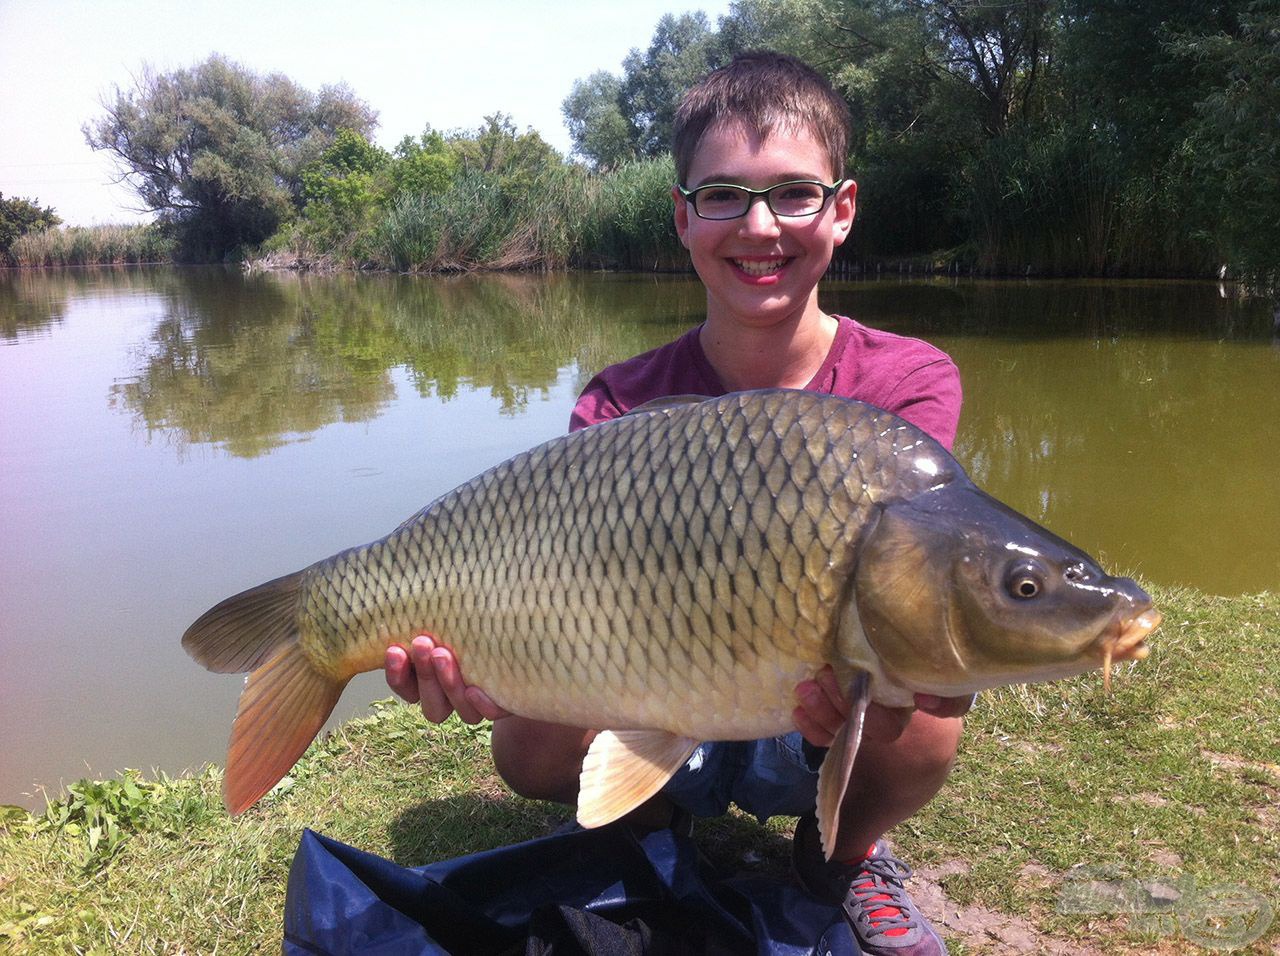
(905, 376)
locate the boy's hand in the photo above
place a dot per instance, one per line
(823, 710)
(428, 674)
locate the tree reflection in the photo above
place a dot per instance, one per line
(29, 304)
(251, 363)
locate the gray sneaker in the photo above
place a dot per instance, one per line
(884, 920)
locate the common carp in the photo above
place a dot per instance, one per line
(670, 577)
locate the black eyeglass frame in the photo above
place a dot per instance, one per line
(691, 197)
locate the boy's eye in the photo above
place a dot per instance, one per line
(798, 192)
(720, 194)
(797, 199)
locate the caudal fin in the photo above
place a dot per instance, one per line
(285, 700)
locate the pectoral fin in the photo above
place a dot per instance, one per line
(837, 766)
(624, 768)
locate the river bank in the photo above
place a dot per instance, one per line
(1173, 778)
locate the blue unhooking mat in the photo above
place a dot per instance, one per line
(589, 891)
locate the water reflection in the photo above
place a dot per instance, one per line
(1096, 310)
(29, 305)
(1135, 419)
(251, 363)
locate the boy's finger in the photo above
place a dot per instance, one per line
(435, 702)
(450, 679)
(400, 676)
(818, 709)
(812, 731)
(484, 704)
(945, 706)
(826, 679)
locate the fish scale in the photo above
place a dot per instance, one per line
(677, 571)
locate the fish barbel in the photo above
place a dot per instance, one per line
(669, 577)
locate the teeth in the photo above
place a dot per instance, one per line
(759, 267)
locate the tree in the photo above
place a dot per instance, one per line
(613, 119)
(601, 134)
(682, 50)
(1234, 138)
(515, 160)
(20, 216)
(343, 188)
(423, 165)
(218, 151)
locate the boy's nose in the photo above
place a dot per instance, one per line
(759, 218)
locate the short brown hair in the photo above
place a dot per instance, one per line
(766, 92)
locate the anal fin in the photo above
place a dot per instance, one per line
(837, 766)
(624, 768)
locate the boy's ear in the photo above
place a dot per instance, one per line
(681, 215)
(845, 207)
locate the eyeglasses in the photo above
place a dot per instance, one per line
(800, 197)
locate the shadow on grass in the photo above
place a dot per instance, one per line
(468, 823)
(453, 826)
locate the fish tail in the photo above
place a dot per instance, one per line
(285, 701)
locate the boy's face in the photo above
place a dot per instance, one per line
(762, 269)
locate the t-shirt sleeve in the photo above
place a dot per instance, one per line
(929, 397)
(594, 405)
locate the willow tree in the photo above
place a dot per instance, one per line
(217, 150)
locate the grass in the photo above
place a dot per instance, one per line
(1173, 776)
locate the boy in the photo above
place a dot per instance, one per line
(762, 203)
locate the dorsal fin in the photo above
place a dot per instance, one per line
(667, 402)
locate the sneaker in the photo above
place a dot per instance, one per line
(884, 920)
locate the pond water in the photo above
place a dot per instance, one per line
(169, 437)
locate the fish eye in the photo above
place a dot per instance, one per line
(1024, 581)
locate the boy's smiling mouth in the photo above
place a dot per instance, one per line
(761, 267)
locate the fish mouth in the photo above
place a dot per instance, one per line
(1127, 641)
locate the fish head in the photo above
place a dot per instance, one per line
(957, 592)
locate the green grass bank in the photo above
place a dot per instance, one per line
(1172, 780)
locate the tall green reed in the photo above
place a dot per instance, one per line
(93, 245)
(1066, 202)
(629, 219)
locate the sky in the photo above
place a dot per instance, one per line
(429, 62)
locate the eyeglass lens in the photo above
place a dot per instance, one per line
(785, 199)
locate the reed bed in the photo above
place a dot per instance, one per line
(564, 218)
(92, 245)
(1065, 203)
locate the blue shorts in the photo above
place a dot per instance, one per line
(775, 776)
